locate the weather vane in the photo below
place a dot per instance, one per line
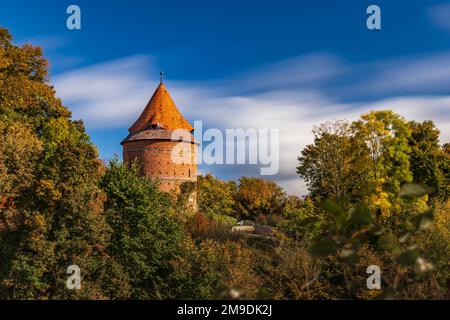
(161, 74)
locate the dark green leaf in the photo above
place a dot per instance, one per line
(424, 220)
(349, 256)
(389, 241)
(413, 190)
(323, 247)
(336, 211)
(408, 257)
(361, 216)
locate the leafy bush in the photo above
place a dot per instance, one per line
(144, 236)
(206, 268)
(215, 197)
(350, 231)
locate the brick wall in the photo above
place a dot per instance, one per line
(169, 162)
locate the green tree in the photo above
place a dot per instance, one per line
(386, 136)
(446, 168)
(51, 204)
(428, 160)
(145, 237)
(365, 161)
(436, 242)
(335, 166)
(215, 196)
(302, 215)
(207, 268)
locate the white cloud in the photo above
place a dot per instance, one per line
(306, 70)
(419, 74)
(107, 95)
(295, 116)
(112, 94)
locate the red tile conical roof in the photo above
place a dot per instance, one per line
(161, 111)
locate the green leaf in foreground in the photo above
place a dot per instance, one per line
(323, 247)
(413, 190)
(349, 256)
(408, 258)
(361, 216)
(336, 211)
(424, 220)
(389, 241)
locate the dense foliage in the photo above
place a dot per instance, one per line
(378, 195)
(51, 203)
(145, 238)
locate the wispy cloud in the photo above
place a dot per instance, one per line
(292, 96)
(53, 47)
(48, 42)
(311, 70)
(423, 74)
(439, 15)
(107, 95)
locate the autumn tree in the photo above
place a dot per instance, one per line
(256, 196)
(365, 161)
(205, 270)
(335, 165)
(386, 136)
(215, 196)
(51, 204)
(429, 161)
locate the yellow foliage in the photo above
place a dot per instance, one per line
(19, 148)
(213, 264)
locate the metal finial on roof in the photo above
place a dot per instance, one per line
(161, 74)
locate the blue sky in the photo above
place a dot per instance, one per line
(253, 64)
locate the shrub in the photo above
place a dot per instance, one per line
(144, 236)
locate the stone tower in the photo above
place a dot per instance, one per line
(162, 142)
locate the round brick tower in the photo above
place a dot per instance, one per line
(162, 143)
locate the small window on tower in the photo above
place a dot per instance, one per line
(189, 173)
